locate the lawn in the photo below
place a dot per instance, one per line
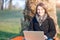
(58, 16)
(10, 23)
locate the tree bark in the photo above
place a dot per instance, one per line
(2, 5)
(10, 4)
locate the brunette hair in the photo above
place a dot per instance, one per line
(43, 6)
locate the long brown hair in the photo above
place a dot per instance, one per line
(43, 6)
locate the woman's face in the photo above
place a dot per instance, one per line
(40, 11)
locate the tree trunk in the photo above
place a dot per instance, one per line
(1, 4)
(50, 6)
(10, 4)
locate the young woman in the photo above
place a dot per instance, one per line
(42, 22)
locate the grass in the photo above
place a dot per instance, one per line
(58, 17)
(10, 24)
(7, 35)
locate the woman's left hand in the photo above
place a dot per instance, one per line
(45, 37)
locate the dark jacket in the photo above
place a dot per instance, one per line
(47, 26)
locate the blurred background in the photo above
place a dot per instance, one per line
(11, 13)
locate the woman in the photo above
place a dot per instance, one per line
(42, 22)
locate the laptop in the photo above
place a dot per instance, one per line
(34, 35)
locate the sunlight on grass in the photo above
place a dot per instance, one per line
(10, 25)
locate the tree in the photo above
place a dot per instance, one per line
(2, 5)
(58, 3)
(10, 4)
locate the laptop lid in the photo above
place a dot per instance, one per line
(34, 35)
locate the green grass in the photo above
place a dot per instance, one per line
(7, 35)
(58, 16)
(10, 24)
(58, 35)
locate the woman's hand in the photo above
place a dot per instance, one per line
(45, 37)
(24, 38)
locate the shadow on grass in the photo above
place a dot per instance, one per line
(7, 35)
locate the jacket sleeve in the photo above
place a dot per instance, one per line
(30, 27)
(52, 30)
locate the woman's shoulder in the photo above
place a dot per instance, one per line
(34, 19)
(49, 19)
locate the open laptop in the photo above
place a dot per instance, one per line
(34, 35)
